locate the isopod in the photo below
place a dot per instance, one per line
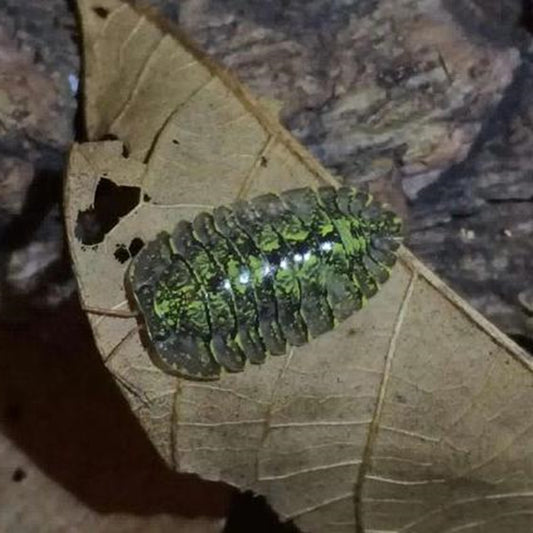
(244, 281)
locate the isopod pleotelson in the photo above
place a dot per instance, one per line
(246, 280)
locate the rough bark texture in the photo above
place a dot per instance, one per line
(38, 85)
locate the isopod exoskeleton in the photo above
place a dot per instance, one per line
(247, 279)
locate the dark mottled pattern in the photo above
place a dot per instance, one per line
(251, 278)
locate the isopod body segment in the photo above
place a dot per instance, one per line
(246, 280)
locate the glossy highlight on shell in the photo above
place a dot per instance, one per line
(246, 280)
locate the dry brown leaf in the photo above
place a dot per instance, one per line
(413, 416)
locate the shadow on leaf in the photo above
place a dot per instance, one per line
(61, 407)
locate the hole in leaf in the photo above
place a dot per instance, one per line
(18, 475)
(135, 246)
(101, 12)
(111, 202)
(147, 197)
(121, 254)
(264, 161)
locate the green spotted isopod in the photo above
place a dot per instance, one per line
(248, 279)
